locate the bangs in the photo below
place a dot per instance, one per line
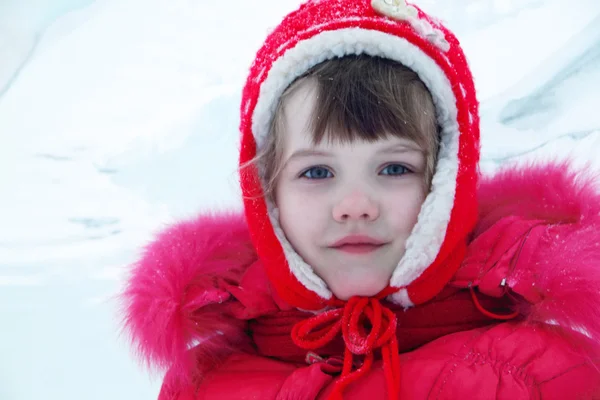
(370, 98)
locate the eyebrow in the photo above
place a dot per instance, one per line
(401, 148)
(308, 153)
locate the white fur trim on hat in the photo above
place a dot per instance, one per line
(401, 297)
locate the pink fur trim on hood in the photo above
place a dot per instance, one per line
(187, 269)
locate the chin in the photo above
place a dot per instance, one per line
(348, 289)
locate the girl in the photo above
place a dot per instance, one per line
(369, 262)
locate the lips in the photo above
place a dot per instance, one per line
(358, 244)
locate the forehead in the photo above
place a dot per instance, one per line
(298, 110)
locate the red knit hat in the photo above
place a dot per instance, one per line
(324, 29)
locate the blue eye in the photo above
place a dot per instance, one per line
(395, 170)
(317, 173)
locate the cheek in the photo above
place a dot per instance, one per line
(300, 214)
(404, 205)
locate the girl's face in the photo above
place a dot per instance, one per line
(347, 209)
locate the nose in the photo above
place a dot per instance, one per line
(356, 207)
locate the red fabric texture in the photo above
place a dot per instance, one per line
(339, 14)
(200, 303)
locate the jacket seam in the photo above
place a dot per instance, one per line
(499, 367)
(454, 357)
(558, 375)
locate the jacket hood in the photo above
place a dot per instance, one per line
(198, 282)
(322, 30)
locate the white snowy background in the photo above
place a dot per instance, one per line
(120, 116)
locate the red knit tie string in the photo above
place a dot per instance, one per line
(490, 314)
(365, 325)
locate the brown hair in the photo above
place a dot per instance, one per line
(359, 97)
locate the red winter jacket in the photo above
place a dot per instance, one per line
(520, 319)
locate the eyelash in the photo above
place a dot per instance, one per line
(405, 170)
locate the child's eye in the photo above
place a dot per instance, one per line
(317, 173)
(394, 170)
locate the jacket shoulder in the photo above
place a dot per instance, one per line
(538, 242)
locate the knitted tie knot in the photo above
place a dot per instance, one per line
(366, 325)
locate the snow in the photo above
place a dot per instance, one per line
(520, 46)
(120, 116)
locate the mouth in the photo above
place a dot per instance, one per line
(358, 248)
(358, 244)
